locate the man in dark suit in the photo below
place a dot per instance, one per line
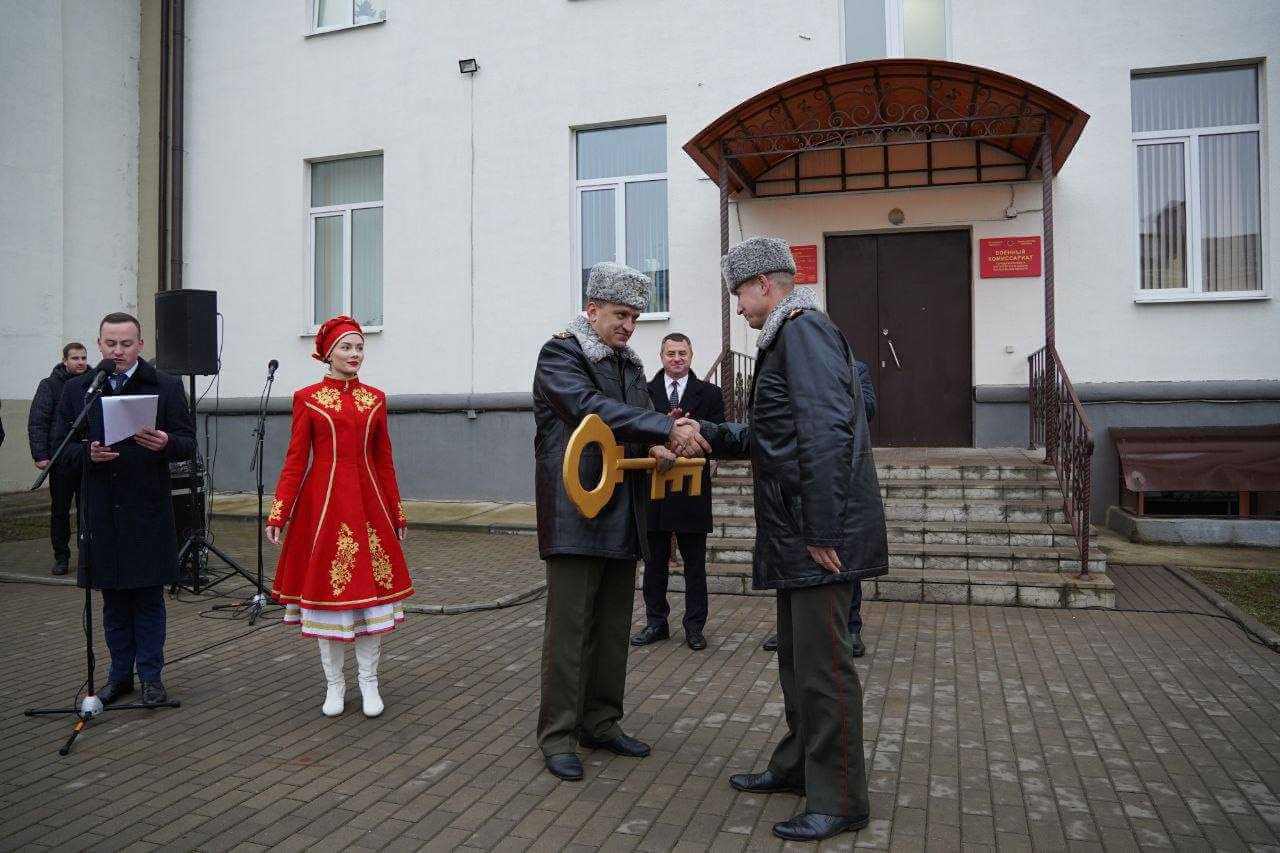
(676, 391)
(128, 546)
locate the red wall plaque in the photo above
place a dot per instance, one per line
(806, 258)
(1009, 257)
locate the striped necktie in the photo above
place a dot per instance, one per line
(675, 394)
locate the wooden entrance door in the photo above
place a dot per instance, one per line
(904, 303)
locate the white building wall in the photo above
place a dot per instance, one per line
(69, 178)
(1085, 53)
(262, 98)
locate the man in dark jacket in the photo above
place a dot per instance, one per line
(128, 546)
(675, 390)
(820, 529)
(591, 562)
(64, 482)
(855, 609)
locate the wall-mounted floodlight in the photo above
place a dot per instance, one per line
(468, 66)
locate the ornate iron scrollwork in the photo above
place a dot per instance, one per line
(888, 113)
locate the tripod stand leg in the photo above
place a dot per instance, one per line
(75, 733)
(43, 712)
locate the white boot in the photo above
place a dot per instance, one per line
(331, 658)
(368, 649)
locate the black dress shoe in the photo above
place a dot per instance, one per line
(618, 745)
(566, 766)
(59, 568)
(767, 782)
(651, 634)
(114, 690)
(859, 647)
(811, 826)
(153, 693)
(696, 641)
(771, 644)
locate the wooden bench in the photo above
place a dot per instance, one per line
(1243, 461)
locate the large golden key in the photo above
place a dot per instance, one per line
(685, 475)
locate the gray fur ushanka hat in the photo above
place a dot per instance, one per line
(757, 256)
(620, 284)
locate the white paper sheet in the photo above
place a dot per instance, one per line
(122, 417)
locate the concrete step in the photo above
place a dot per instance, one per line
(944, 557)
(935, 532)
(1026, 469)
(725, 486)
(1011, 533)
(1025, 589)
(917, 509)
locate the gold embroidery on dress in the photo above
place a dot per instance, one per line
(364, 399)
(329, 398)
(340, 568)
(277, 510)
(378, 557)
(400, 512)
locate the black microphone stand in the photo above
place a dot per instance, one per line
(91, 706)
(255, 605)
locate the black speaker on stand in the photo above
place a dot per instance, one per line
(187, 345)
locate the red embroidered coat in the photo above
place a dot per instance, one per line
(340, 550)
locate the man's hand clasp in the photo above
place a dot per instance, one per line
(686, 439)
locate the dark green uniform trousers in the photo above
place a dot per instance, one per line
(822, 751)
(585, 640)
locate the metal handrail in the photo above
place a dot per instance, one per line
(1058, 423)
(732, 371)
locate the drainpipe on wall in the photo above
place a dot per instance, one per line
(175, 233)
(162, 209)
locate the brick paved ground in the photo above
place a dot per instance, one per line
(447, 567)
(985, 726)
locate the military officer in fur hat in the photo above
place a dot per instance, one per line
(591, 562)
(820, 530)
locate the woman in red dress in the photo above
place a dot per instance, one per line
(341, 575)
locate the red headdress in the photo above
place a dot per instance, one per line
(333, 329)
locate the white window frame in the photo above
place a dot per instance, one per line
(344, 210)
(1190, 140)
(313, 22)
(619, 187)
(895, 30)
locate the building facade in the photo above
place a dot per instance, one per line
(76, 105)
(339, 157)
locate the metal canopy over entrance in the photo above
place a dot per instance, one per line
(887, 124)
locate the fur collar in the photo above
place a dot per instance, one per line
(596, 349)
(799, 297)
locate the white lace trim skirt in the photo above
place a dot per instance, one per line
(344, 625)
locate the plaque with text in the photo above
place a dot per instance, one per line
(1009, 257)
(806, 258)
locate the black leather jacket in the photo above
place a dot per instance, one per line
(815, 478)
(567, 387)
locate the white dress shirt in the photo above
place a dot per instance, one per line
(680, 384)
(128, 374)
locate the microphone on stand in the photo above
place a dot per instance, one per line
(272, 366)
(105, 368)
